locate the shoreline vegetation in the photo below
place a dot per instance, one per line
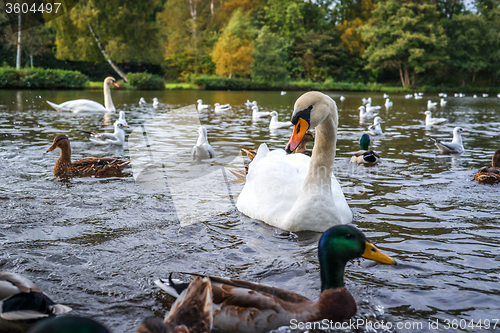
(39, 78)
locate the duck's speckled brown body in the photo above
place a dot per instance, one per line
(106, 166)
(490, 175)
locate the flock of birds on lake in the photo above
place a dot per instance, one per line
(292, 189)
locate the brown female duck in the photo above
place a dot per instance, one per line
(490, 175)
(106, 166)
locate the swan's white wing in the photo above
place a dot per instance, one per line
(78, 105)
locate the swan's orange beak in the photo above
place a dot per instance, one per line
(299, 130)
(116, 84)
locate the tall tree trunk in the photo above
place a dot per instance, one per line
(31, 59)
(401, 75)
(18, 59)
(192, 11)
(212, 7)
(105, 55)
(407, 77)
(473, 76)
(415, 78)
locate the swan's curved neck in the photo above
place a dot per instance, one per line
(108, 102)
(323, 154)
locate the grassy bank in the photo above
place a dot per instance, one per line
(40, 78)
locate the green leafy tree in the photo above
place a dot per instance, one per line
(406, 36)
(468, 47)
(269, 56)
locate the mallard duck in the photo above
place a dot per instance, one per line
(376, 129)
(453, 147)
(82, 105)
(429, 121)
(490, 175)
(21, 299)
(301, 148)
(282, 190)
(275, 124)
(202, 150)
(66, 324)
(192, 312)
(104, 139)
(365, 156)
(243, 306)
(105, 166)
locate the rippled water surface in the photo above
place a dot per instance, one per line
(97, 244)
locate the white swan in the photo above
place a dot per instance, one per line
(142, 101)
(116, 138)
(366, 114)
(156, 103)
(219, 109)
(82, 105)
(202, 150)
(429, 121)
(275, 124)
(431, 104)
(453, 147)
(442, 102)
(297, 192)
(388, 103)
(376, 129)
(256, 114)
(201, 106)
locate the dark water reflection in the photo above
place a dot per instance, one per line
(97, 244)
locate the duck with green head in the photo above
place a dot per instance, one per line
(241, 306)
(365, 156)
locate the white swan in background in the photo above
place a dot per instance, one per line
(431, 104)
(386, 96)
(142, 101)
(388, 103)
(221, 108)
(201, 106)
(453, 147)
(116, 138)
(366, 114)
(376, 129)
(256, 114)
(156, 103)
(342, 98)
(202, 150)
(83, 105)
(429, 121)
(283, 93)
(442, 102)
(296, 192)
(249, 104)
(275, 124)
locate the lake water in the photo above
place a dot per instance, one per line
(97, 244)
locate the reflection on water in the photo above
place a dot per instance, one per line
(97, 244)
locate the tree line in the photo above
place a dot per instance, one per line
(396, 42)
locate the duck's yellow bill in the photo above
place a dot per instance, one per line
(299, 130)
(371, 252)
